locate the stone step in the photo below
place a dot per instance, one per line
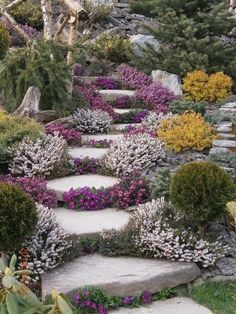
(227, 136)
(99, 137)
(119, 275)
(62, 185)
(123, 111)
(228, 110)
(178, 305)
(87, 222)
(112, 94)
(229, 105)
(225, 128)
(224, 143)
(123, 126)
(82, 152)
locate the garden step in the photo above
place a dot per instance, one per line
(224, 143)
(82, 152)
(87, 222)
(123, 111)
(229, 105)
(227, 136)
(123, 126)
(112, 94)
(99, 137)
(62, 185)
(178, 305)
(119, 275)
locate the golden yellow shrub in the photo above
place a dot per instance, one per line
(185, 132)
(197, 86)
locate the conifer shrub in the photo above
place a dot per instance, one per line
(188, 131)
(18, 216)
(181, 106)
(199, 86)
(4, 41)
(200, 191)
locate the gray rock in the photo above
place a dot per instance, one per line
(224, 143)
(119, 275)
(172, 81)
(218, 150)
(224, 129)
(227, 136)
(140, 43)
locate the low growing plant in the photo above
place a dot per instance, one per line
(182, 106)
(226, 160)
(72, 136)
(132, 78)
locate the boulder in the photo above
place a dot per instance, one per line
(172, 81)
(140, 42)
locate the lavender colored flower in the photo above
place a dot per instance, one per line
(104, 82)
(123, 102)
(146, 297)
(72, 136)
(128, 300)
(139, 116)
(86, 165)
(102, 309)
(78, 70)
(98, 143)
(133, 130)
(156, 96)
(87, 198)
(132, 77)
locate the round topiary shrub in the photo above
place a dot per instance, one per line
(4, 41)
(18, 216)
(200, 190)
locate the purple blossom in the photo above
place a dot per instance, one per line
(104, 82)
(72, 136)
(78, 70)
(156, 96)
(139, 116)
(133, 130)
(86, 165)
(132, 77)
(123, 102)
(98, 143)
(35, 187)
(129, 300)
(146, 297)
(87, 198)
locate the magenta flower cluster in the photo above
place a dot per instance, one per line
(87, 198)
(72, 136)
(104, 82)
(131, 190)
(133, 78)
(98, 143)
(123, 102)
(140, 115)
(156, 96)
(86, 165)
(35, 187)
(78, 70)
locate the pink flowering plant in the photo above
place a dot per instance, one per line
(156, 96)
(86, 165)
(72, 136)
(87, 198)
(104, 82)
(35, 187)
(98, 143)
(132, 78)
(130, 191)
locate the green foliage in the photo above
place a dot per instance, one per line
(18, 216)
(161, 185)
(143, 7)
(4, 41)
(219, 297)
(226, 160)
(190, 33)
(200, 190)
(16, 298)
(97, 12)
(28, 13)
(181, 106)
(40, 64)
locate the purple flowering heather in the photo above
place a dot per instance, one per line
(133, 78)
(104, 82)
(133, 130)
(72, 136)
(35, 187)
(128, 300)
(140, 115)
(87, 198)
(78, 70)
(86, 165)
(146, 297)
(123, 102)
(156, 96)
(98, 143)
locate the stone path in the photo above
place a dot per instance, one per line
(88, 222)
(119, 275)
(98, 137)
(122, 111)
(178, 305)
(110, 95)
(62, 185)
(82, 152)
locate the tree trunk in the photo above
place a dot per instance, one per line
(47, 18)
(30, 104)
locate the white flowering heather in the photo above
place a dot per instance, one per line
(49, 243)
(41, 158)
(152, 121)
(159, 239)
(137, 152)
(91, 121)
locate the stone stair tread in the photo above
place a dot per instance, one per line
(224, 143)
(177, 305)
(122, 126)
(98, 137)
(82, 152)
(122, 111)
(112, 94)
(88, 222)
(119, 275)
(64, 184)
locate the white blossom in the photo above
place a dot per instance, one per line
(152, 120)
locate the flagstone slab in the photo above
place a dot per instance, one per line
(82, 152)
(119, 275)
(88, 222)
(123, 126)
(112, 94)
(123, 111)
(178, 305)
(62, 185)
(224, 143)
(99, 137)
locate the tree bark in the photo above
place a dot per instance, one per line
(30, 104)
(47, 18)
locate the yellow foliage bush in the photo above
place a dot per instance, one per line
(198, 85)
(185, 132)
